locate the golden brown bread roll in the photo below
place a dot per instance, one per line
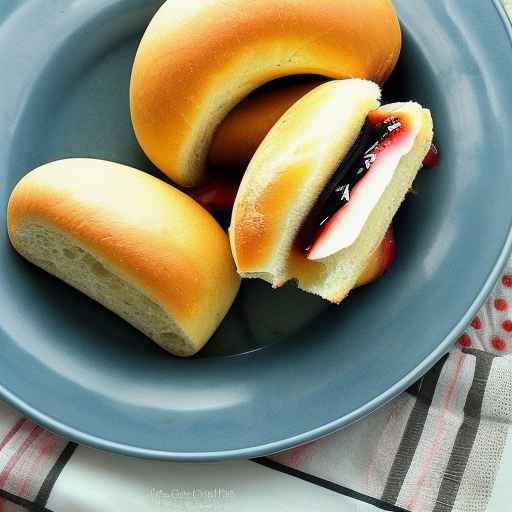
(199, 58)
(138, 246)
(291, 167)
(289, 172)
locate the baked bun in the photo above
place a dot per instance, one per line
(290, 170)
(138, 246)
(198, 59)
(242, 130)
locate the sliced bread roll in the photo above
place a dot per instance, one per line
(334, 276)
(289, 171)
(267, 217)
(140, 247)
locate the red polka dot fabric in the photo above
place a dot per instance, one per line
(491, 329)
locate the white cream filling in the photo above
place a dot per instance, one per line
(344, 227)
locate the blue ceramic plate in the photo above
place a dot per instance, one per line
(284, 368)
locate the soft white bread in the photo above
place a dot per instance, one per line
(138, 246)
(199, 58)
(269, 212)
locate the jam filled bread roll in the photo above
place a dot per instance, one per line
(138, 246)
(322, 188)
(200, 58)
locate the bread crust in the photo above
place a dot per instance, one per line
(150, 233)
(199, 58)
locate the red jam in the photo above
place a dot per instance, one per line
(380, 131)
(216, 196)
(432, 158)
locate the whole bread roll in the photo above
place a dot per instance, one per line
(200, 58)
(138, 246)
(289, 171)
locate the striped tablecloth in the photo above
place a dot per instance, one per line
(442, 446)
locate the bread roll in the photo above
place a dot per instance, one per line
(242, 130)
(289, 171)
(138, 246)
(200, 58)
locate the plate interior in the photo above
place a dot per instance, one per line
(284, 367)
